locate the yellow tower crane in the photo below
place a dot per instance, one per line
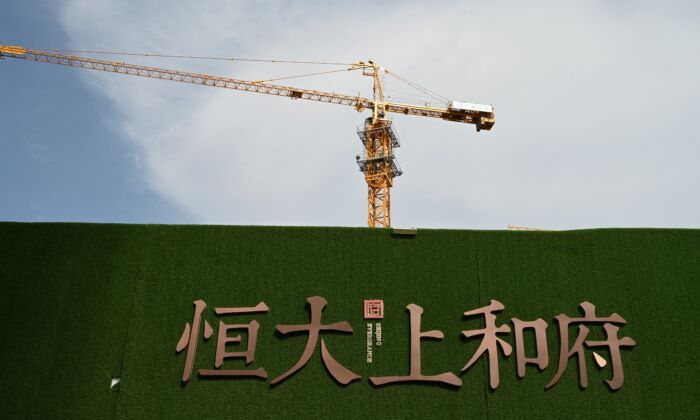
(377, 163)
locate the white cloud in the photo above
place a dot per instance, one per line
(595, 108)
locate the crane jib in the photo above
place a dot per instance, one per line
(483, 120)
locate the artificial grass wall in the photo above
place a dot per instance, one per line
(81, 303)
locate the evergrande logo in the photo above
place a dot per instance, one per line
(374, 309)
(491, 346)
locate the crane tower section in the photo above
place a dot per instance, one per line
(380, 167)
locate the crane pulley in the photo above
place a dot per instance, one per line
(377, 163)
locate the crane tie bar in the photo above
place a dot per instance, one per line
(193, 57)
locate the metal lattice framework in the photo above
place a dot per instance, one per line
(378, 163)
(380, 167)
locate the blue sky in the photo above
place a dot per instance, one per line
(595, 104)
(60, 159)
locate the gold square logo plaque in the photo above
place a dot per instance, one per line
(374, 309)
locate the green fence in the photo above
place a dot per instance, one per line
(83, 303)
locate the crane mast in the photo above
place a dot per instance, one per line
(377, 163)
